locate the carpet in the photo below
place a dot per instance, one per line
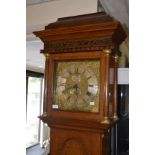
(35, 150)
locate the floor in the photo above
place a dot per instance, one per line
(35, 150)
(125, 153)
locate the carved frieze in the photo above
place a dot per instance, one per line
(77, 45)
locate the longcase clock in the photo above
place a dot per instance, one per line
(80, 96)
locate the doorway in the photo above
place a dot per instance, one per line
(34, 83)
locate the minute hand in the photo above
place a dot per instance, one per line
(77, 89)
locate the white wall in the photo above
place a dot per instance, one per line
(42, 14)
(39, 15)
(123, 75)
(119, 9)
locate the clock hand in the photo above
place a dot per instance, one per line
(76, 70)
(70, 87)
(77, 89)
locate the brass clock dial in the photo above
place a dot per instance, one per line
(76, 85)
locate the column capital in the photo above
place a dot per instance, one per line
(44, 114)
(46, 55)
(107, 51)
(116, 57)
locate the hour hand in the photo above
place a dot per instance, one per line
(69, 88)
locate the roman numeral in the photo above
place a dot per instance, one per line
(76, 70)
(62, 84)
(88, 93)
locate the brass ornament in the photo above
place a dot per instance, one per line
(105, 121)
(46, 55)
(107, 51)
(116, 57)
(44, 114)
(115, 117)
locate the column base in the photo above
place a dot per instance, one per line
(105, 121)
(44, 114)
(115, 117)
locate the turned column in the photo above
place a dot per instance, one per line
(115, 116)
(106, 119)
(45, 84)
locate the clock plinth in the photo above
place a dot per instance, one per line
(80, 96)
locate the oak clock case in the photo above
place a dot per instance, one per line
(80, 96)
(76, 85)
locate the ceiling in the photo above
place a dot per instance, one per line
(34, 2)
(34, 60)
